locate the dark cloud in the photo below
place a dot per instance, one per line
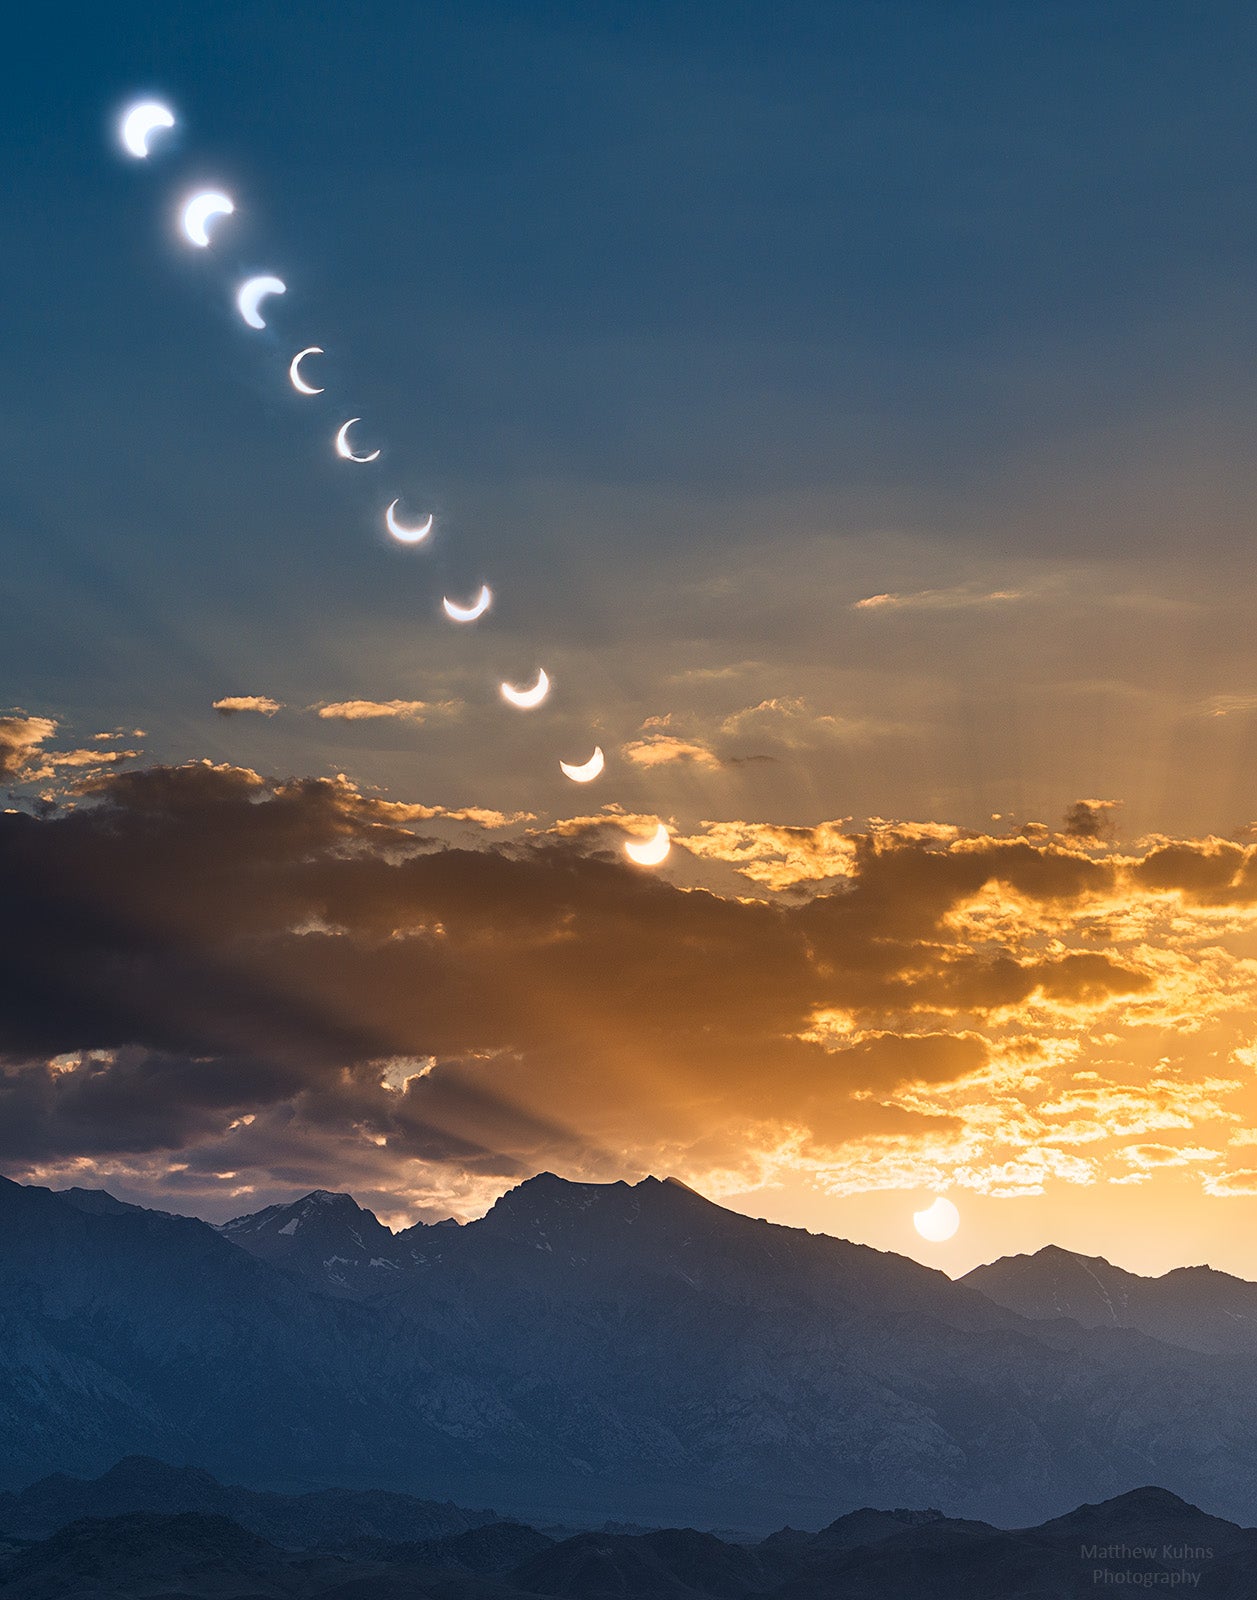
(1089, 819)
(292, 976)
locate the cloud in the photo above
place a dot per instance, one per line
(21, 741)
(777, 855)
(25, 758)
(664, 749)
(90, 758)
(960, 598)
(234, 704)
(789, 722)
(370, 710)
(1148, 1157)
(1227, 1185)
(206, 969)
(1090, 819)
(1229, 705)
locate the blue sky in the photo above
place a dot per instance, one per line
(695, 325)
(851, 407)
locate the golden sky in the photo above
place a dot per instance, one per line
(267, 985)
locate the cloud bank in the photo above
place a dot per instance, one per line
(209, 978)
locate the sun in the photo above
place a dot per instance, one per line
(938, 1222)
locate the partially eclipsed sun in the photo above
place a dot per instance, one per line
(938, 1222)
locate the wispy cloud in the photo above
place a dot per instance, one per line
(1229, 705)
(959, 598)
(90, 758)
(790, 721)
(373, 710)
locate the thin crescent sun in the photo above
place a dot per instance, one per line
(252, 292)
(585, 772)
(400, 530)
(294, 369)
(343, 449)
(200, 211)
(141, 121)
(477, 608)
(650, 852)
(526, 699)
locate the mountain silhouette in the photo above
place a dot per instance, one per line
(143, 1484)
(1146, 1538)
(585, 1352)
(1196, 1308)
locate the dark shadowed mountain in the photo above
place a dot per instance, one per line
(141, 1484)
(1196, 1308)
(1144, 1540)
(152, 1335)
(98, 1202)
(587, 1351)
(330, 1241)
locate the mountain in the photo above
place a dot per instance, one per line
(99, 1202)
(145, 1334)
(1144, 1540)
(587, 1351)
(667, 1341)
(141, 1554)
(331, 1242)
(141, 1484)
(1195, 1308)
(327, 1239)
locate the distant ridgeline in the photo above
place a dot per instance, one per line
(590, 1351)
(149, 1529)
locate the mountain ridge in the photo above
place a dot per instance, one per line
(1193, 1307)
(1146, 1534)
(587, 1351)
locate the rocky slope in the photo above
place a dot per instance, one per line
(588, 1351)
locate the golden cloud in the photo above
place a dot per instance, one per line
(960, 598)
(237, 704)
(664, 749)
(895, 1006)
(21, 741)
(370, 710)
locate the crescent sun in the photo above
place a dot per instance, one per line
(141, 121)
(477, 608)
(294, 370)
(343, 449)
(526, 699)
(650, 852)
(200, 210)
(938, 1222)
(252, 292)
(399, 530)
(587, 772)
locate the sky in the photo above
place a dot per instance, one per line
(850, 407)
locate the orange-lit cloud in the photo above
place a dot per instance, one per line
(371, 710)
(663, 749)
(883, 1008)
(960, 598)
(236, 704)
(21, 742)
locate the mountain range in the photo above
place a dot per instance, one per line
(1196, 1308)
(178, 1541)
(587, 1351)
